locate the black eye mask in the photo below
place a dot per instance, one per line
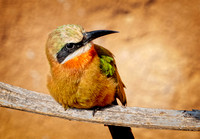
(67, 50)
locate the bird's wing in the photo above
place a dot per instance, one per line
(108, 67)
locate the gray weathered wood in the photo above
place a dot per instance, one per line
(30, 101)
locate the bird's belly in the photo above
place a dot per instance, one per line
(85, 89)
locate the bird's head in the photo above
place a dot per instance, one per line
(69, 41)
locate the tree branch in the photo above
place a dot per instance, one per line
(21, 99)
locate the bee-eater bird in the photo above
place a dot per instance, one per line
(84, 75)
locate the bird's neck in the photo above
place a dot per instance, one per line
(81, 61)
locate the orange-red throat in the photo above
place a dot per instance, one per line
(82, 60)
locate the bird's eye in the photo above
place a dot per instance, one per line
(70, 45)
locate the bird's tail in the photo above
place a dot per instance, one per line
(120, 132)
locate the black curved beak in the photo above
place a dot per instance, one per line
(89, 36)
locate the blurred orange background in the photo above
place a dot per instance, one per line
(157, 53)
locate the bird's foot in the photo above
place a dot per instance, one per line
(95, 109)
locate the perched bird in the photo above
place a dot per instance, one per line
(83, 74)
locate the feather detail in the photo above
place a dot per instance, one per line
(110, 70)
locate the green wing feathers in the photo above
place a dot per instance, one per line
(105, 65)
(108, 67)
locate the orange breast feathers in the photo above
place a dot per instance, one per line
(82, 60)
